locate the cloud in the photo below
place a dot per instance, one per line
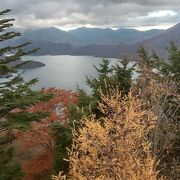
(93, 13)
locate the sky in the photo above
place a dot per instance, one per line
(71, 14)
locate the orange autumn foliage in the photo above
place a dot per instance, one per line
(37, 165)
(38, 139)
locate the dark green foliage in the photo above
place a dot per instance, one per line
(172, 67)
(9, 169)
(14, 92)
(22, 120)
(174, 59)
(111, 77)
(86, 105)
(63, 139)
(10, 53)
(83, 99)
(17, 93)
(102, 81)
(123, 75)
(145, 60)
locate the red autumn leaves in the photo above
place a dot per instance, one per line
(37, 142)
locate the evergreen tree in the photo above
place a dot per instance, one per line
(9, 169)
(145, 60)
(109, 78)
(172, 67)
(123, 75)
(14, 93)
(102, 81)
(63, 139)
(174, 59)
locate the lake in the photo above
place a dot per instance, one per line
(63, 71)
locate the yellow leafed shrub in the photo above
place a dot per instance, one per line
(116, 146)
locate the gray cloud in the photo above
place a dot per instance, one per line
(95, 13)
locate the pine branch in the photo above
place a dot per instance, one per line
(8, 35)
(4, 11)
(12, 48)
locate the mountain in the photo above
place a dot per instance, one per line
(107, 51)
(158, 42)
(99, 42)
(109, 36)
(48, 34)
(52, 48)
(93, 35)
(86, 36)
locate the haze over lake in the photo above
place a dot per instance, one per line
(63, 71)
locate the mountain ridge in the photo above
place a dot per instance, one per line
(100, 42)
(87, 36)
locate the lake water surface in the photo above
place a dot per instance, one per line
(63, 71)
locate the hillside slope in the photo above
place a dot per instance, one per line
(159, 42)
